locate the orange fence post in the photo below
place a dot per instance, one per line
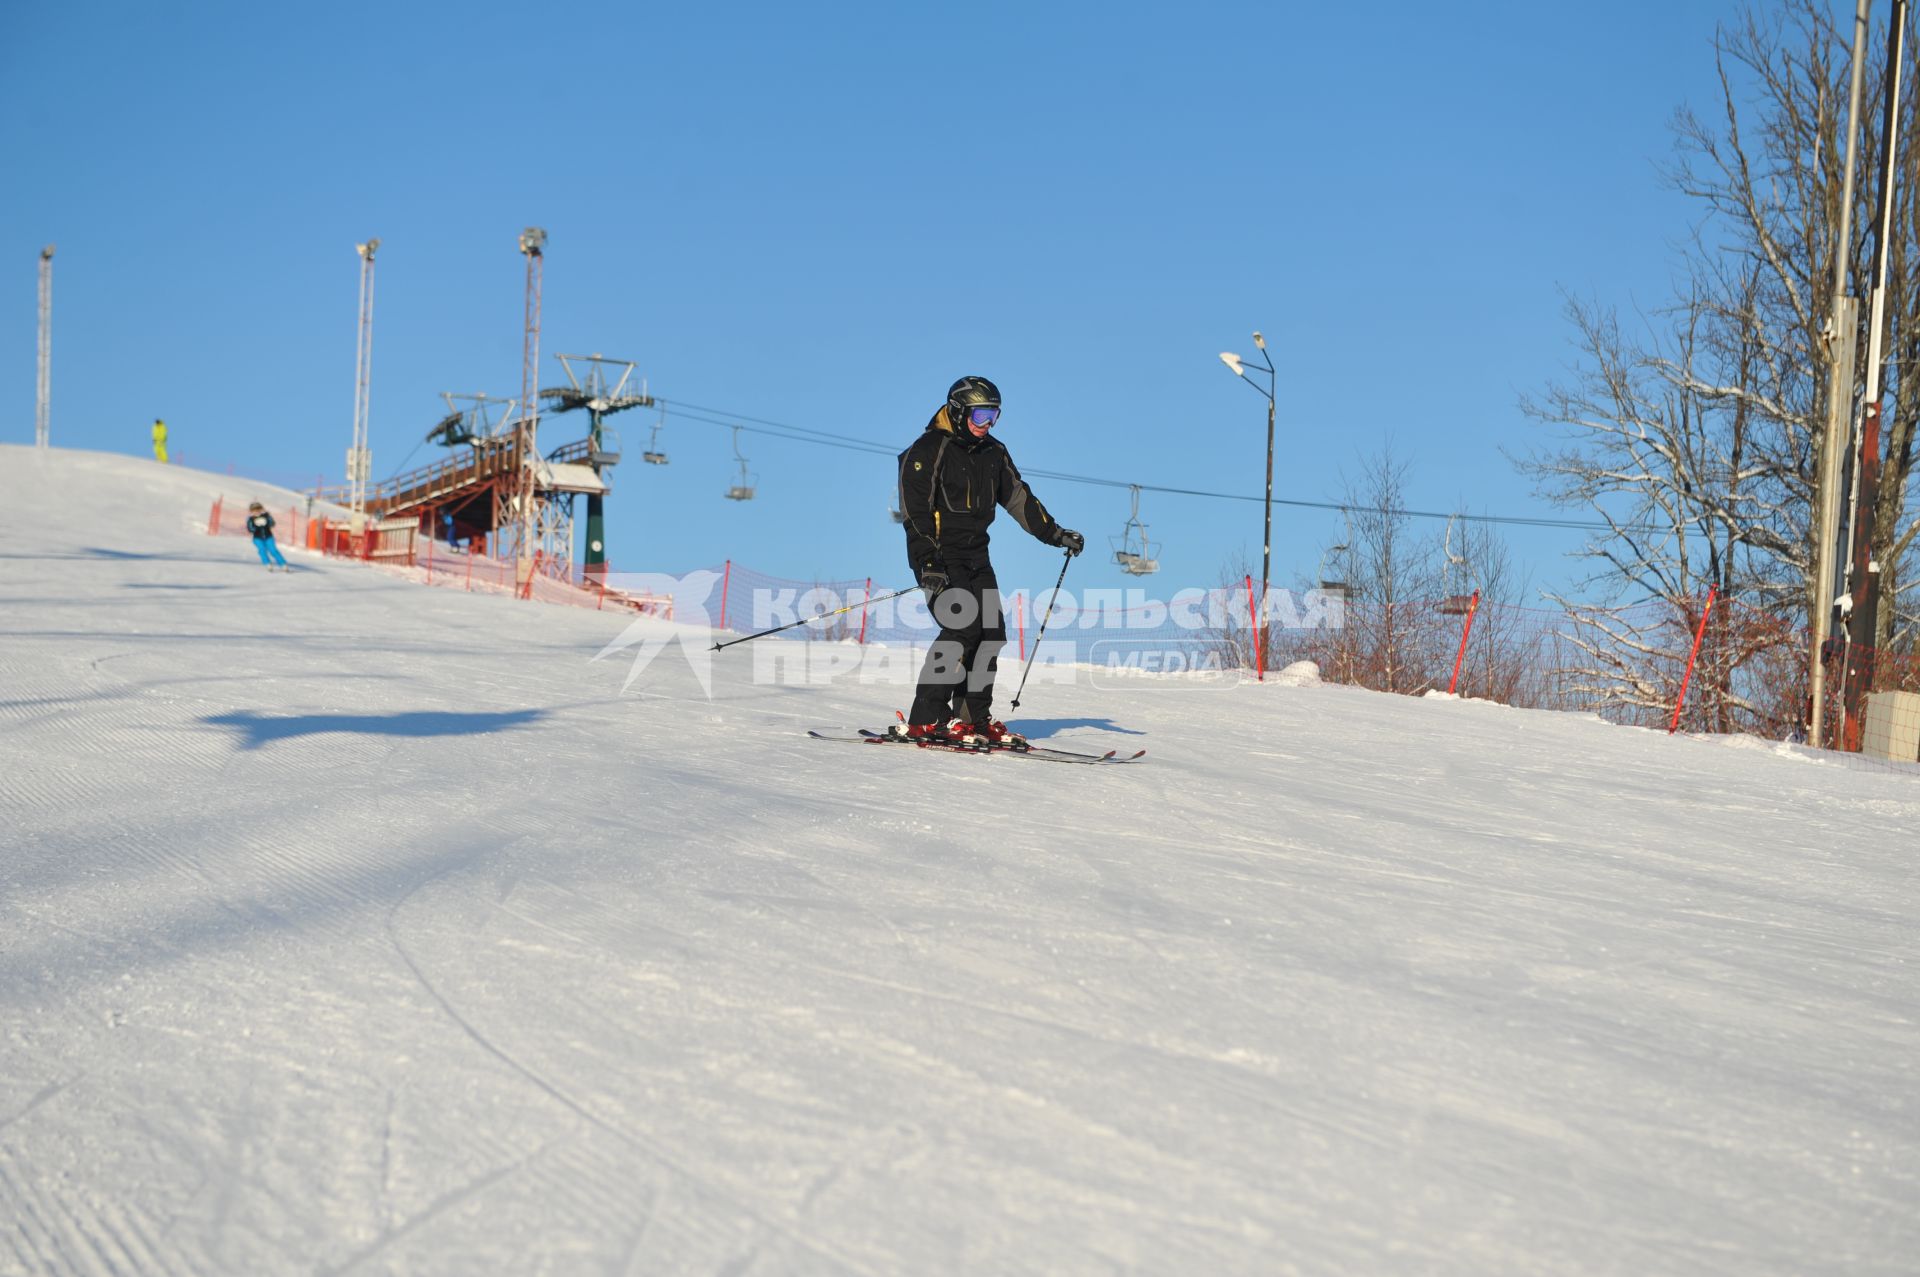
(863, 610)
(1253, 621)
(1700, 633)
(725, 579)
(213, 517)
(1020, 613)
(1473, 605)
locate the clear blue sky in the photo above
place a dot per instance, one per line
(822, 214)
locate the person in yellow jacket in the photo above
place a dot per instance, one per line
(160, 441)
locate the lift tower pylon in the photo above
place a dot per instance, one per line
(600, 385)
(43, 385)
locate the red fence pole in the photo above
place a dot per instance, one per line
(863, 610)
(1473, 605)
(1253, 622)
(1020, 611)
(1692, 656)
(726, 579)
(213, 517)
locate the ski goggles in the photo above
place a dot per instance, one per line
(983, 416)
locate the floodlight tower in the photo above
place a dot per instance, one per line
(1272, 390)
(43, 386)
(596, 388)
(359, 456)
(533, 242)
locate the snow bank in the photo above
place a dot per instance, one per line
(1298, 674)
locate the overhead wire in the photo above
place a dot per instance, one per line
(824, 438)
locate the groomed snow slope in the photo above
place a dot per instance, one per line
(348, 925)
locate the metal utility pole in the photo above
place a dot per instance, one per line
(43, 386)
(1862, 600)
(1842, 327)
(533, 242)
(359, 456)
(1266, 530)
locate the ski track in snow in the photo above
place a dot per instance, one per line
(351, 926)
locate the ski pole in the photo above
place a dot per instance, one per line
(1028, 669)
(851, 607)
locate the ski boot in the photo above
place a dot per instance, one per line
(950, 731)
(998, 735)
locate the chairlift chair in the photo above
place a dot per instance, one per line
(653, 456)
(743, 489)
(604, 448)
(1132, 551)
(1335, 586)
(1452, 604)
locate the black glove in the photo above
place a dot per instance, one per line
(933, 579)
(1070, 540)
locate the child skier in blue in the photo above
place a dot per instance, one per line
(260, 523)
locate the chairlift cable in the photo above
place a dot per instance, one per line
(804, 434)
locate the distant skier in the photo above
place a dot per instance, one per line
(951, 479)
(160, 441)
(260, 523)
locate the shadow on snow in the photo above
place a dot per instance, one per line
(256, 729)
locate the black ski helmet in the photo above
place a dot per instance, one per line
(968, 393)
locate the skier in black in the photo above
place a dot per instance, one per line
(951, 479)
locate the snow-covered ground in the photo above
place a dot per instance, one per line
(348, 925)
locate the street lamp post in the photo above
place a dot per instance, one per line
(1239, 367)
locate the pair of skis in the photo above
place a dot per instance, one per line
(1042, 752)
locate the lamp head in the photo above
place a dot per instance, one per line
(1260, 341)
(532, 241)
(1232, 361)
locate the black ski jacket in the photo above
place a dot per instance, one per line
(261, 525)
(950, 484)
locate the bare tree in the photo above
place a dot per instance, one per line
(1392, 639)
(1667, 465)
(1695, 441)
(1508, 655)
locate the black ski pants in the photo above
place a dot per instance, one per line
(957, 678)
